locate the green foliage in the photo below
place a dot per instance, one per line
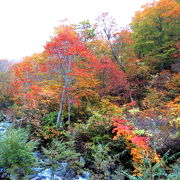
(134, 111)
(101, 114)
(5, 84)
(59, 152)
(98, 127)
(18, 111)
(174, 175)
(1, 116)
(50, 120)
(48, 130)
(97, 88)
(106, 159)
(16, 153)
(97, 118)
(140, 132)
(86, 31)
(101, 160)
(154, 98)
(85, 137)
(160, 170)
(155, 34)
(94, 141)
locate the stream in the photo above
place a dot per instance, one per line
(63, 172)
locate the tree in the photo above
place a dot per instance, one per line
(5, 83)
(16, 153)
(23, 79)
(60, 151)
(123, 44)
(156, 34)
(108, 26)
(112, 80)
(86, 31)
(70, 59)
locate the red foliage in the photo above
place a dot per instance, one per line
(70, 58)
(132, 103)
(113, 80)
(138, 145)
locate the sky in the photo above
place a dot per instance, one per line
(26, 25)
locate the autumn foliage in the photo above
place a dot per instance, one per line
(91, 79)
(138, 145)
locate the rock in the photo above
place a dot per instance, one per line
(2, 117)
(82, 160)
(84, 176)
(44, 173)
(3, 174)
(61, 173)
(4, 126)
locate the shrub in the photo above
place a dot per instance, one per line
(1, 116)
(155, 171)
(138, 145)
(102, 154)
(101, 160)
(16, 153)
(59, 152)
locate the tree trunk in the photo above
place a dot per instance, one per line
(69, 112)
(60, 109)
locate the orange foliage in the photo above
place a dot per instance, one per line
(31, 82)
(132, 103)
(76, 64)
(137, 145)
(166, 8)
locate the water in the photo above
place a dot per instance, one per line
(4, 126)
(45, 175)
(63, 172)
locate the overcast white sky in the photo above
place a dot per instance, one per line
(26, 25)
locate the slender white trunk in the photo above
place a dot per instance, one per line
(69, 112)
(66, 68)
(60, 109)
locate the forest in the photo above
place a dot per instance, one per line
(102, 99)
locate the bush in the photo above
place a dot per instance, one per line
(160, 170)
(102, 161)
(1, 116)
(59, 152)
(16, 153)
(50, 119)
(102, 154)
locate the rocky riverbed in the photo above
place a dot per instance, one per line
(63, 172)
